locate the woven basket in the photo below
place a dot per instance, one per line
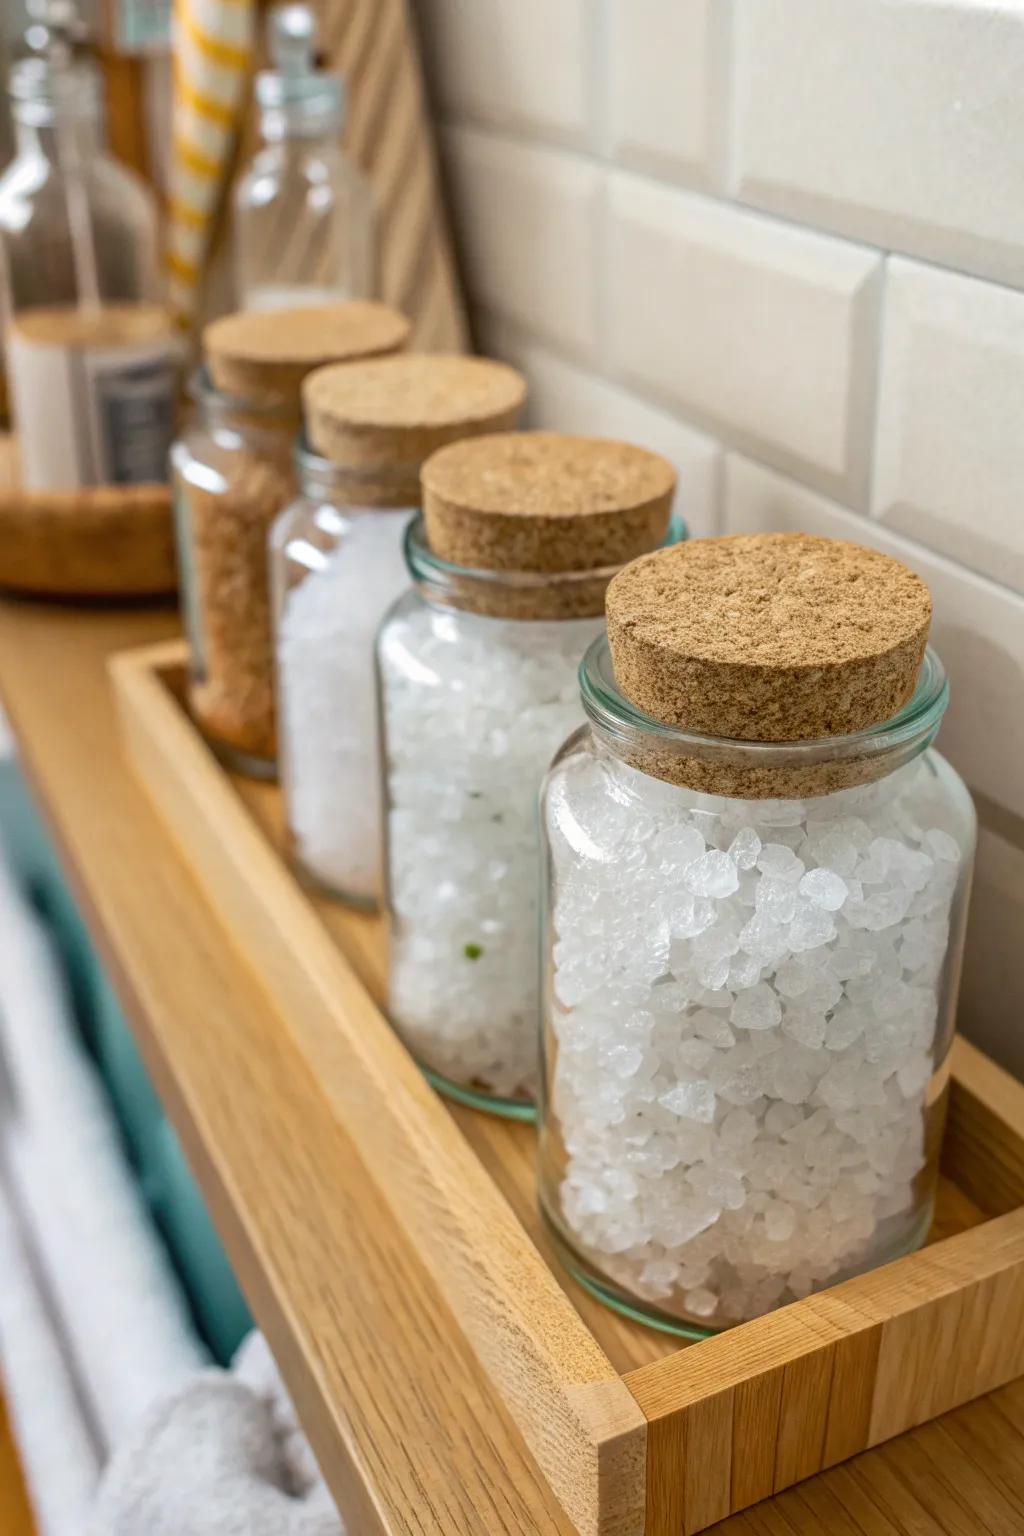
(111, 541)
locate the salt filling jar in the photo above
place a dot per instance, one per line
(232, 473)
(337, 566)
(757, 877)
(477, 663)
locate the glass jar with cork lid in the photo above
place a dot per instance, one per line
(337, 566)
(758, 873)
(232, 473)
(519, 537)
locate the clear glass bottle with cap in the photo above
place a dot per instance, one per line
(92, 358)
(337, 566)
(477, 667)
(304, 215)
(757, 877)
(233, 472)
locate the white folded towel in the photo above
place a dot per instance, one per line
(218, 1457)
(123, 1313)
(58, 1453)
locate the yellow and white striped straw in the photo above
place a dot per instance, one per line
(213, 44)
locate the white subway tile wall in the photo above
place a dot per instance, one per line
(781, 241)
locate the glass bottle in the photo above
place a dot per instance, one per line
(337, 566)
(477, 666)
(748, 1002)
(304, 216)
(87, 332)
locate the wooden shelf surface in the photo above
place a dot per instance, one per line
(396, 1405)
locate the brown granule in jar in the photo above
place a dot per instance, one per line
(232, 688)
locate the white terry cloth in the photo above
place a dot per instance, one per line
(123, 1314)
(58, 1454)
(218, 1457)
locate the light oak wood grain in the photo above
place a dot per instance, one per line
(578, 1418)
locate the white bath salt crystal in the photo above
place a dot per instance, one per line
(691, 1101)
(327, 692)
(700, 1302)
(744, 971)
(776, 900)
(941, 846)
(810, 929)
(679, 846)
(763, 939)
(844, 1027)
(779, 1221)
(739, 1127)
(824, 888)
(744, 848)
(713, 874)
(695, 1054)
(914, 1074)
(780, 862)
(756, 1008)
(806, 1028)
(713, 1027)
(691, 914)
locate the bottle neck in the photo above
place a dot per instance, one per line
(295, 137)
(79, 137)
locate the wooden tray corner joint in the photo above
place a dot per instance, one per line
(636, 1435)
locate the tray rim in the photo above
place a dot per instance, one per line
(660, 1449)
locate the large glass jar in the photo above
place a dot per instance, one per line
(748, 1003)
(337, 566)
(232, 473)
(92, 357)
(477, 674)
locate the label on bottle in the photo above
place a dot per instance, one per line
(94, 397)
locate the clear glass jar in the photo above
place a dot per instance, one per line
(748, 1007)
(232, 472)
(303, 212)
(92, 357)
(472, 707)
(337, 565)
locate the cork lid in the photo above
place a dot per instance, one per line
(401, 409)
(775, 637)
(545, 502)
(264, 355)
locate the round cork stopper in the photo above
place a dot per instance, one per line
(768, 637)
(397, 410)
(545, 502)
(264, 355)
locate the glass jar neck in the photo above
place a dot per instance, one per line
(527, 595)
(260, 424)
(759, 770)
(390, 486)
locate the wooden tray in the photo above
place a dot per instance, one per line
(634, 1432)
(110, 541)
